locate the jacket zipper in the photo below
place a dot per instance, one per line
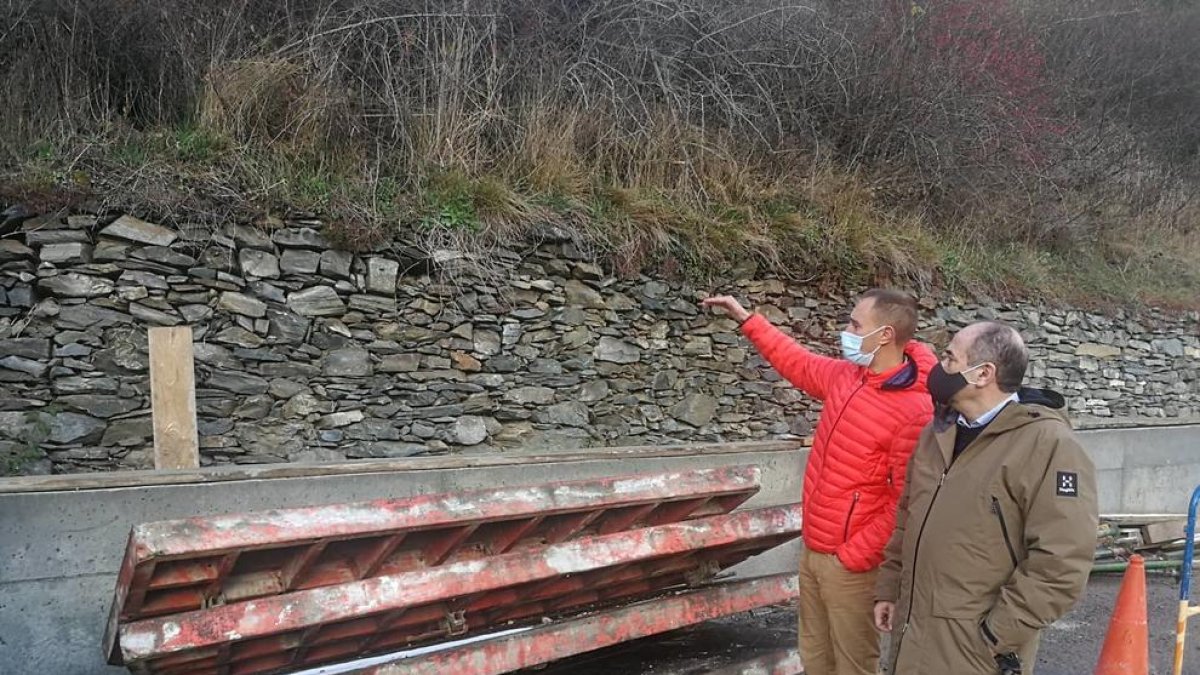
(861, 383)
(912, 587)
(846, 531)
(1004, 531)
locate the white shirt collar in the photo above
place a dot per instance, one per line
(989, 415)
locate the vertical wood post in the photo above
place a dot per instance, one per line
(173, 398)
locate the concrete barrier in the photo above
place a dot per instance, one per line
(1145, 469)
(61, 538)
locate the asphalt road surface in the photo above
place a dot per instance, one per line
(1070, 647)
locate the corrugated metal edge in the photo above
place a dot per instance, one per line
(152, 638)
(164, 540)
(605, 629)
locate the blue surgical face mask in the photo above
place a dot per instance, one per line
(852, 348)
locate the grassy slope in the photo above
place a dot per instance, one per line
(816, 224)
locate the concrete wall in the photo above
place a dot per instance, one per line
(1145, 470)
(60, 550)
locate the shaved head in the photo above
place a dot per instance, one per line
(893, 308)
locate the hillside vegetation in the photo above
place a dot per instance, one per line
(1045, 148)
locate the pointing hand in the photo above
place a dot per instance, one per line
(728, 303)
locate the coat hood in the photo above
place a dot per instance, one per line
(1034, 405)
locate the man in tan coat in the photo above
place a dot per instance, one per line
(996, 528)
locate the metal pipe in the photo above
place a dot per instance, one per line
(1113, 567)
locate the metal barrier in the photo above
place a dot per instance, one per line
(288, 589)
(1186, 609)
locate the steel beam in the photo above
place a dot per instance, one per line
(195, 537)
(569, 638)
(663, 546)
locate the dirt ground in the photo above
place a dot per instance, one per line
(1070, 647)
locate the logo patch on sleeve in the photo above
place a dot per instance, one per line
(1068, 484)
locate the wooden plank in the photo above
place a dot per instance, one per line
(118, 479)
(173, 398)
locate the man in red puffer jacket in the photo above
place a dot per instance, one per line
(875, 405)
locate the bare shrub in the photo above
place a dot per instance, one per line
(999, 121)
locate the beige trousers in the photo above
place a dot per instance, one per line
(837, 622)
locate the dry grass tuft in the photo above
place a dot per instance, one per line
(846, 141)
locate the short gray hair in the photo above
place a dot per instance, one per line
(1001, 344)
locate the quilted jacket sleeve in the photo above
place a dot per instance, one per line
(810, 372)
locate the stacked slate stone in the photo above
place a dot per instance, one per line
(308, 353)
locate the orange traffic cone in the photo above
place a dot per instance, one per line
(1127, 646)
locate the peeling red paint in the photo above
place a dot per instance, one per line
(382, 613)
(179, 565)
(282, 590)
(568, 638)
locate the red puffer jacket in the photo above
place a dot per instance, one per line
(868, 428)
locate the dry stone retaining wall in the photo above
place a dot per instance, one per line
(306, 353)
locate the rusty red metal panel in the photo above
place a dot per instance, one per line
(183, 565)
(391, 612)
(605, 629)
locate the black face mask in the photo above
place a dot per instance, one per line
(943, 386)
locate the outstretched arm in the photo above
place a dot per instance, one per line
(811, 372)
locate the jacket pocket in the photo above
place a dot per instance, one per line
(849, 516)
(986, 631)
(971, 563)
(1012, 553)
(957, 648)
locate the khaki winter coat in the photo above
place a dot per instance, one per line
(992, 547)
